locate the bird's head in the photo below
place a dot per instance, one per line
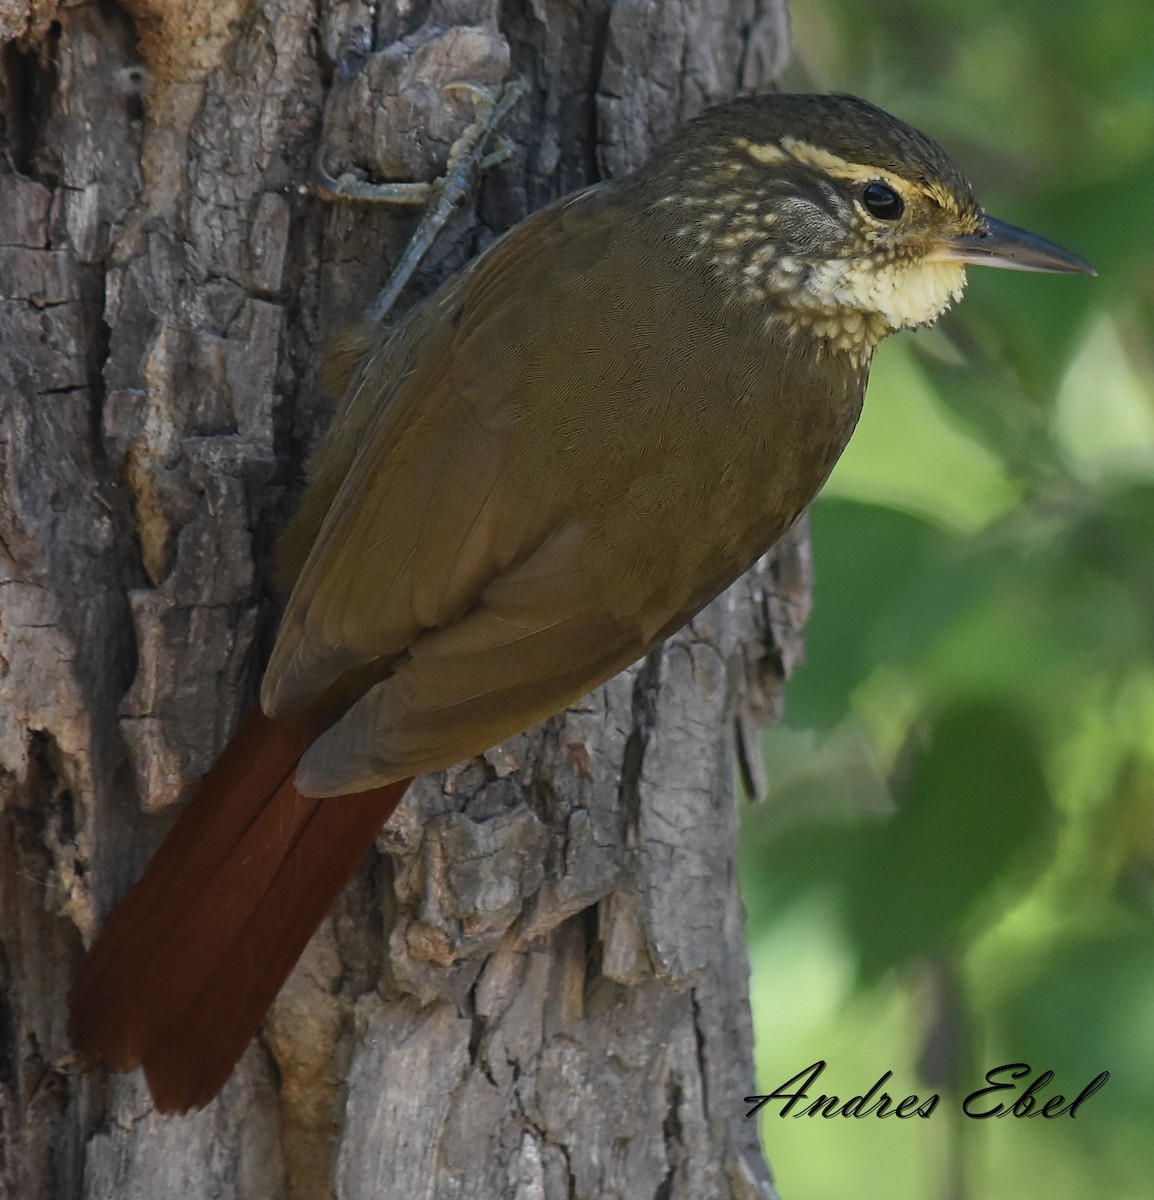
(836, 217)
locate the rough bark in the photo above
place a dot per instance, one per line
(537, 988)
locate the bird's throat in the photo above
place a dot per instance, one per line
(850, 306)
(900, 295)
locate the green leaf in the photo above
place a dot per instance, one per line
(974, 824)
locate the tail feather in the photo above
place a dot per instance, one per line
(180, 977)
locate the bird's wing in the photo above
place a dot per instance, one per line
(536, 639)
(436, 505)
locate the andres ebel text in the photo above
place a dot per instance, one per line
(1011, 1090)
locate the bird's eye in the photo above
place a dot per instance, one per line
(882, 201)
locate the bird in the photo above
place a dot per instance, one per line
(537, 474)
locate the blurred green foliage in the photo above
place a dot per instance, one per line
(955, 867)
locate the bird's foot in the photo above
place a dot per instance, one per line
(477, 148)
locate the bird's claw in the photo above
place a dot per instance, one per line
(502, 151)
(491, 103)
(477, 148)
(469, 154)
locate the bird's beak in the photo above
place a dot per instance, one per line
(997, 244)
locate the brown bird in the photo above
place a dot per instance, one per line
(543, 470)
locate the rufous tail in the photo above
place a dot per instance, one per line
(179, 979)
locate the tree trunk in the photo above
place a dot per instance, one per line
(537, 987)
